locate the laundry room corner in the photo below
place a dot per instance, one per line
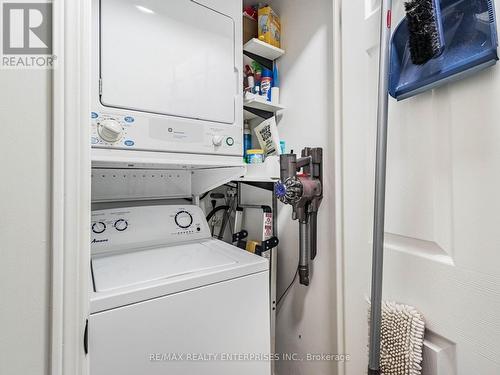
(307, 317)
(244, 187)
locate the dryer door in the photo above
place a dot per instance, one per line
(168, 57)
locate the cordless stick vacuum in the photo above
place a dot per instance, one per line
(425, 42)
(304, 192)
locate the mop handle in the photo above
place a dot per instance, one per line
(380, 175)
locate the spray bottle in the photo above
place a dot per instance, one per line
(247, 139)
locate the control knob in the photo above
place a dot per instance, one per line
(98, 227)
(217, 140)
(110, 130)
(183, 219)
(121, 225)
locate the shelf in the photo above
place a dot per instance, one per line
(257, 179)
(269, 171)
(260, 105)
(263, 49)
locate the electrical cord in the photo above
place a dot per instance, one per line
(215, 210)
(284, 294)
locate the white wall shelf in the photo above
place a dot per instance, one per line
(268, 171)
(263, 49)
(256, 102)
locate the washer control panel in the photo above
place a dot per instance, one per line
(140, 227)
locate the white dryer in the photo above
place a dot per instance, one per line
(167, 76)
(169, 299)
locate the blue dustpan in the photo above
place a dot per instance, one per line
(470, 39)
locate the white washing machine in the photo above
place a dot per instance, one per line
(169, 299)
(167, 76)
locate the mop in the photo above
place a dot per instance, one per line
(396, 341)
(401, 340)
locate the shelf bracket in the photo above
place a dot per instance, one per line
(259, 112)
(266, 63)
(268, 185)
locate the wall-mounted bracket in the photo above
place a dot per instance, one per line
(266, 63)
(240, 236)
(259, 112)
(267, 245)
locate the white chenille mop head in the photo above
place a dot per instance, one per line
(402, 339)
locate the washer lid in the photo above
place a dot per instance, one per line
(134, 276)
(137, 267)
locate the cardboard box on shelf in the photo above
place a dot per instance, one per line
(249, 29)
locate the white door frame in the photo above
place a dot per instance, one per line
(70, 186)
(338, 175)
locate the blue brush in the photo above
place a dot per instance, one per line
(426, 39)
(419, 59)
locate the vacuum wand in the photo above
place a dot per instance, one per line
(304, 192)
(304, 252)
(313, 225)
(380, 176)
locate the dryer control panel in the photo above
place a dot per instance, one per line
(120, 229)
(161, 133)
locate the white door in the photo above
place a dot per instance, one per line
(442, 251)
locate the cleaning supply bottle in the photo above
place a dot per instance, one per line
(275, 89)
(257, 71)
(247, 140)
(250, 78)
(266, 83)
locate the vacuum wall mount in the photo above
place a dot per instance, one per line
(304, 192)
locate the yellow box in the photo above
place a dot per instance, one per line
(269, 26)
(252, 246)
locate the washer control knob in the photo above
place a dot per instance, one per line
(98, 227)
(110, 130)
(121, 225)
(217, 140)
(183, 219)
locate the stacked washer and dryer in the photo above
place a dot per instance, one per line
(167, 118)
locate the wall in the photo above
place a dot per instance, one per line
(305, 321)
(25, 129)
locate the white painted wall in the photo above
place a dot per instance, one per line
(305, 322)
(25, 131)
